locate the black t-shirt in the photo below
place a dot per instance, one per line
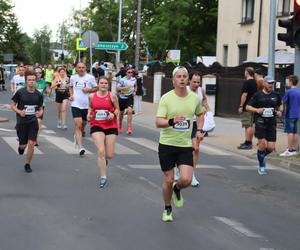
(249, 87)
(270, 102)
(139, 84)
(31, 102)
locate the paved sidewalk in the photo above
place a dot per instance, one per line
(227, 135)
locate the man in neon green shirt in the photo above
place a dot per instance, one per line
(49, 75)
(175, 116)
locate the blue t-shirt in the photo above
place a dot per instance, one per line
(292, 101)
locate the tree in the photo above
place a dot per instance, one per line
(41, 45)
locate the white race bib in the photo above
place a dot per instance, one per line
(30, 109)
(80, 85)
(268, 112)
(182, 126)
(101, 115)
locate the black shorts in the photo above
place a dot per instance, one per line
(265, 129)
(109, 131)
(27, 131)
(79, 113)
(48, 84)
(61, 96)
(125, 103)
(169, 156)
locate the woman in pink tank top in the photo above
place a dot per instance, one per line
(102, 114)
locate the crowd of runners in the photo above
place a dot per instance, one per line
(180, 116)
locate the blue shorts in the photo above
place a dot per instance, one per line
(290, 125)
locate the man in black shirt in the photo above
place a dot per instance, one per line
(27, 103)
(266, 105)
(248, 90)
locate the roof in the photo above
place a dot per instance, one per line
(281, 57)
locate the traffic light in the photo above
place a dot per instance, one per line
(287, 37)
(296, 23)
(62, 56)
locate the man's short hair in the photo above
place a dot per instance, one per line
(293, 79)
(29, 73)
(194, 73)
(250, 71)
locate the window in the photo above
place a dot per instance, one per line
(248, 11)
(243, 51)
(225, 55)
(283, 8)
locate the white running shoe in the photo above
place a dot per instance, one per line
(64, 126)
(59, 124)
(195, 182)
(176, 174)
(81, 151)
(288, 153)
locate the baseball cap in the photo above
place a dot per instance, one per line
(268, 79)
(179, 68)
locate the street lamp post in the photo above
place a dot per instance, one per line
(118, 54)
(138, 34)
(80, 27)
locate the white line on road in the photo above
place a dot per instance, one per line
(63, 144)
(237, 226)
(145, 143)
(48, 131)
(212, 150)
(152, 184)
(120, 149)
(122, 168)
(153, 166)
(204, 166)
(7, 130)
(14, 144)
(263, 248)
(240, 167)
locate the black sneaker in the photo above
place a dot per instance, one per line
(245, 146)
(21, 150)
(27, 168)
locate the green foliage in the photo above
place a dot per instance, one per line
(40, 50)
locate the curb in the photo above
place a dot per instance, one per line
(3, 119)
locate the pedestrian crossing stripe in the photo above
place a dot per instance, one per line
(156, 166)
(14, 144)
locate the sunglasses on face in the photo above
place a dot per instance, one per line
(129, 72)
(38, 72)
(271, 83)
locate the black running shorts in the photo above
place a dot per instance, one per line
(61, 96)
(125, 103)
(79, 113)
(27, 131)
(110, 131)
(265, 130)
(170, 156)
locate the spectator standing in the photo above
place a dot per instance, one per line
(291, 101)
(248, 90)
(138, 94)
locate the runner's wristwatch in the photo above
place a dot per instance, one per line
(201, 130)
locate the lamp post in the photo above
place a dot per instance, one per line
(118, 55)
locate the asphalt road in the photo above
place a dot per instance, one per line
(59, 206)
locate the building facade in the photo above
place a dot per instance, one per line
(243, 29)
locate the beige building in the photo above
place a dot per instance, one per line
(243, 29)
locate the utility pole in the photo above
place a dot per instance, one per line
(138, 35)
(271, 54)
(80, 27)
(118, 55)
(62, 42)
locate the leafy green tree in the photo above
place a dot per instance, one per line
(41, 46)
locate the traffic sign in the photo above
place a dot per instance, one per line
(111, 46)
(80, 45)
(90, 38)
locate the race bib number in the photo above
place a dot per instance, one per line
(268, 112)
(182, 126)
(30, 109)
(80, 85)
(101, 115)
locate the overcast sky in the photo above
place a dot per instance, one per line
(34, 14)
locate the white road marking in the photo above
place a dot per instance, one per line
(153, 166)
(7, 130)
(237, 226)
(202, 166)
(43, 126)
(120, 149)
(240, 167)
(212, 150)
(145, 143)
(48, 131)
(14, 144)
(152, 184)
(122, 168)
(63, 144)
(263, 248)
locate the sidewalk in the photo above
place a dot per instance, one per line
(227, 135)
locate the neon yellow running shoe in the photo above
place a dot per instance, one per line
(177, 197)
(167, 216)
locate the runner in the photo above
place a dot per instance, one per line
(266, 104)
(40, 85)
(102, 114)
(49, 73)
(81, 85)
(27, 103)
(175, 113)
(126, 88)
(61, 86)
(18, 80)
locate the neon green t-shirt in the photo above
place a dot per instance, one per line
(49, 75)
(171, 105)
